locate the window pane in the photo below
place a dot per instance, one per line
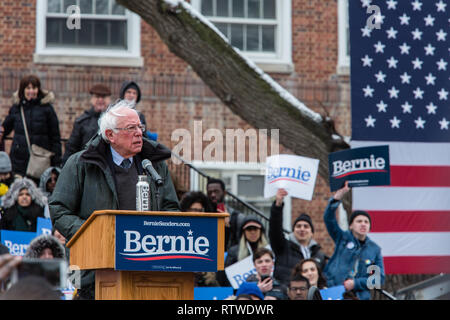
(85, 35)
(269, 9)
(54, 6)
(251, 185)
(86, 6)
(68, 3)
(252, 38)
(222, 8)
(238, 8)
(68, 36)
(118, 34)
(223, 27)
(54, 25)
(237, 36)
(207, 7)
(101, 33)
(253, 9)
(118, 9)
(101, 7)
(268, 38)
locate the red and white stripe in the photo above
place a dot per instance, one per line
(411, 217)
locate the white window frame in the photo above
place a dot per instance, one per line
(88, 56)
(281, 60)
(343, 66)
(235, 169)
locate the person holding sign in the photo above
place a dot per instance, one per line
(299, 245)
(356, 260)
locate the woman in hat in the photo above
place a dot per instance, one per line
(41, 121)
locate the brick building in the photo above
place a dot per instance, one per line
(302, 44)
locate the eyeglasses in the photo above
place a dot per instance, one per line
(301, 289)
(133, 128)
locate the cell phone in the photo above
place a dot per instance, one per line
(53, 270)
(264, 277)
(221, 207)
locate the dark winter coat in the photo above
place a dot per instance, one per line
(287, 251)
(84, 128)
(43, 129)
(87, 183)
(349, 253)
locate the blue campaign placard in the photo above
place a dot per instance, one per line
(333, 293)
(361, 167)
(166, 243)
(43, 226)
(212, 293)
(17, 241)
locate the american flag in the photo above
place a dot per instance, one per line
(400, 97)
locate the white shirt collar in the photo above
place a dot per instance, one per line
(117, 158)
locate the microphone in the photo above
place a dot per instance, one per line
(148, 167)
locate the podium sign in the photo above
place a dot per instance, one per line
(166, 243)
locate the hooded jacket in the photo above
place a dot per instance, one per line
(36, 209)
(45, 177)
(87, 183)
(350, 259)
(45, 241)
(125, 86)
(288, 251)
(43, 130)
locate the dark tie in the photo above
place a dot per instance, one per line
(126, 163)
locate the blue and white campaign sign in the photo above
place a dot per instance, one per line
(212, 293)
(17, 241)
(43, 226)
(166, 243)
(296, 174)
(333, 293)
(362, 167)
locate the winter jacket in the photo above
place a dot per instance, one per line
(124, 88)
(348, 254)
(287, 251)
(45, 241)
(45, 177)
(43, 130)
(87, 183)
(84, 128)
(11, 215)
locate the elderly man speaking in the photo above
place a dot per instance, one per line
(104, 176)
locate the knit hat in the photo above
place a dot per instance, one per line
(100, 89)
(5, 162)
(249, 288)
(306, 218)
(251, 221)
(359, 213)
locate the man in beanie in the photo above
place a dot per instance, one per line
(354, 253)
(298, 246)
(86, 125)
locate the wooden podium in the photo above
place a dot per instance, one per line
(94, 247)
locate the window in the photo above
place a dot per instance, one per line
(259, 28)
(108, 34)
(344, 38)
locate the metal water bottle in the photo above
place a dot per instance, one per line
(142, 194)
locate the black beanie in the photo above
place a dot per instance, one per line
(359, 213)
(304, 217)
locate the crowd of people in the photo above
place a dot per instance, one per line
(103, 158)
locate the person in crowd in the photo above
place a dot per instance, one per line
(31, 288)
(131, 93)
(8, 263)
(86, 126)
(195, 201)
(298, 246)
(263, 260)
(48, 180)
(41, 121)
(45, 247)
(249, 291)
(215, 190)
(22, 205)
(6, 174)
(104, 176)
(354, 251)
(298, 288)
(310, 269)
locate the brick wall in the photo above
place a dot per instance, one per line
(173, 96)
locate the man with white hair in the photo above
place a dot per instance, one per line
(104, 176)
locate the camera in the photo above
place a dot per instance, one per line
(53, 270)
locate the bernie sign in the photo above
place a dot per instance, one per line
(166, 243)
(361, 167)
